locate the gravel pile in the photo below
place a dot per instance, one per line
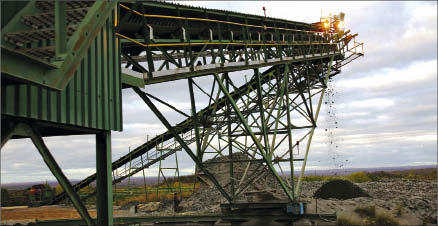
(207, 198)
(340, 189)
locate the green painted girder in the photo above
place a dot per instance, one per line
(55, 75)
(132, 81)
(181, 74)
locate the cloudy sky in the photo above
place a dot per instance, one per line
(385, 102)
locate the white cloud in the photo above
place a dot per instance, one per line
(387, 78)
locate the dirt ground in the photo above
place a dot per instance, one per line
(25, 215)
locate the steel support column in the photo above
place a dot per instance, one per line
(104, 202)
(57, 172)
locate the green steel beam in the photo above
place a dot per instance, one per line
(230, 142)
(57, 172)
(262, 112)
(104, 202)
(181, 141)
(231, 69)
(254, 138)
(133, 62)
(129, 80)
(289, 135)
(168, 105)
(195, 119)
(60, 28)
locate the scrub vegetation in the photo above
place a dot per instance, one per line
(360, 177)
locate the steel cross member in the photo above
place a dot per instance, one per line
(253, 137)
(181, 142)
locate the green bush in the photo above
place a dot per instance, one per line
(380, 175)
(359, 177)
(321, 178)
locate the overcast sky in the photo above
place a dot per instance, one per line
(385, 102)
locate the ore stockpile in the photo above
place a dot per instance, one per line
(207, 200)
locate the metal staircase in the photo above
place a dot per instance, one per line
(159, 153)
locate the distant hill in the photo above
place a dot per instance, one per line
(370, 170)
(135, 181)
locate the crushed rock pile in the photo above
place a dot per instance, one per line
(340, 189)
(207, 199)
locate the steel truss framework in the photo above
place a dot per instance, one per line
(257, 124)
(262, 119)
